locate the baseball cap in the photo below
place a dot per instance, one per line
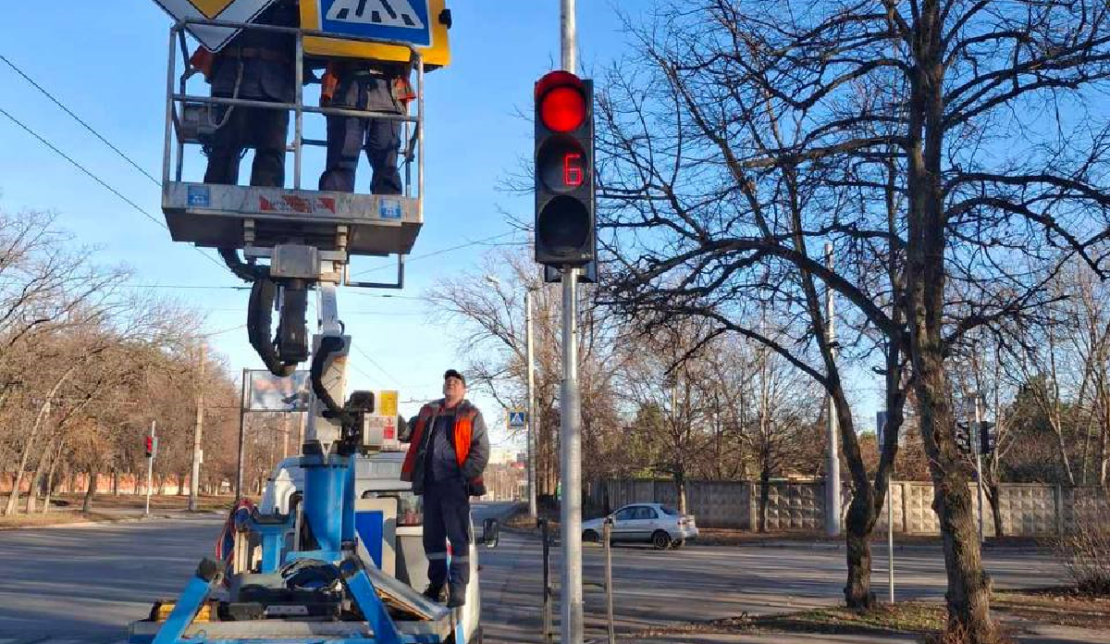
(451, 373)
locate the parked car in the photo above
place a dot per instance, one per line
(660, 525)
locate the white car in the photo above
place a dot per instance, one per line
(660, 525)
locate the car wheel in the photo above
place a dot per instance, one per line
(660, 540)
(591, 536)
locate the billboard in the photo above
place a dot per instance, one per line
(268, 392)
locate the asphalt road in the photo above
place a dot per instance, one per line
(703, 583)
(82, 585)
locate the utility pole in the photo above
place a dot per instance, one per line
(832, 478)
(973, 438)
(150, 465)
(284, 435)
(570, 514)
(531, 437)
(198, 432)
(242, 435)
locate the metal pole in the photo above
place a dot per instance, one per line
(973, 437)
(198, 433)
(242, 436)
(569, 35)
(607, 533)
(298, 126)
(832, 478)
(548, 631)
(570, 505)
(890, 539)
(171, 68)
(531, 438)
(285, 436)
(150, 465)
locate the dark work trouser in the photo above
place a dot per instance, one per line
(249, 127)
(348, 137)
(447, 519)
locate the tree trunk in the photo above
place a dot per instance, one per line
(90, 490)
(680, 490)
(860, 522)
(968, 595)
(993, 493)
(44, 411)
(115, 482)
(51, 483)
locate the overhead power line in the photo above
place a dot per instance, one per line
(97, 179)
(442, 251)
(374, 362)
(88, 127)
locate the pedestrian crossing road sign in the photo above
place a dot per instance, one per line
(422, 24)
(518, 419)
(214, 38)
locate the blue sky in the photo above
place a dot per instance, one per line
(106, 61)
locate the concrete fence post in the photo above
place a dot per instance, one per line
(1059, 506)
(753, 519)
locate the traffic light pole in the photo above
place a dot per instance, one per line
(570, 514)
(150, 466)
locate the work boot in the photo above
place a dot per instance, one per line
(434, 593)
(457, 597)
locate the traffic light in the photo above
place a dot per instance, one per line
(986, 437)
(151, 444)
(565, 228)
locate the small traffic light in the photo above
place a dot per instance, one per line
(564, 171)
(151, 445)
(987, 437)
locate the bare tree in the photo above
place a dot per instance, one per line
(882, 124)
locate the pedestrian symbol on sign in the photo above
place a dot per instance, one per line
(518, 419)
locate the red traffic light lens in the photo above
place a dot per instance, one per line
(563, 109)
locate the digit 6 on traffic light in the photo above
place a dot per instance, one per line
(565, 227)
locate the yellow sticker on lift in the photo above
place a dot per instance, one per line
(214, 38)
(387, 403)
(421, 24)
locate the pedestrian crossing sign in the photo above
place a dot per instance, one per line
(421, 24)
(214, 38)
(518, 419)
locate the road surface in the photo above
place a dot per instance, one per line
(82, 585)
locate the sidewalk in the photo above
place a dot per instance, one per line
(64, 518)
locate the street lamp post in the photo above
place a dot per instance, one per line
(530, 429)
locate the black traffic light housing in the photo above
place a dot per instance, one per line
(564, 170)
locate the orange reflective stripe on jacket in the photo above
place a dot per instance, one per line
(464, 432)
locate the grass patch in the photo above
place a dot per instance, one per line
(1063, 606)
(53, 518)
(906, 617)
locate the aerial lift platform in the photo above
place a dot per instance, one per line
(298, 577)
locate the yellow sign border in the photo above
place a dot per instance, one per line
(437, 55)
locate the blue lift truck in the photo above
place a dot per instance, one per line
(317, 571)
